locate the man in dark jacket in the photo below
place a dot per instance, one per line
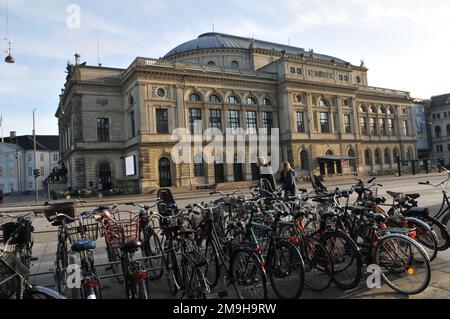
(288, 180)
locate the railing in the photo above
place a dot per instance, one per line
(384, 91)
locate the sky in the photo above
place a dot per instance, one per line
(404, 43)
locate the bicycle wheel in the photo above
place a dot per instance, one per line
(441, 230)
(114, 259)
(426, 237)
(347, 260)
(249, 275)
(173, 274)
(212, 270)
(286, 270)
(195, 284)
(318, 264)
(152, 248)
(404, 264)
(61, 265)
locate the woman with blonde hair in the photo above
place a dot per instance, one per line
(288, 180)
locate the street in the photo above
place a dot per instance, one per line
(45, 248)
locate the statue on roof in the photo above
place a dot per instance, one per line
(363, 64)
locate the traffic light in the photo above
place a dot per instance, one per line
(37, 173)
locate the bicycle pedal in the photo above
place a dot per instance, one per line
(223, 294)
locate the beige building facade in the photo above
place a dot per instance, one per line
(331, 122)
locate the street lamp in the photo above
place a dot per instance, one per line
(35, 158)
(10, 59)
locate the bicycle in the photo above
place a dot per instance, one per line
(242, 267)
(124, 235)
(441, 221)
(82, 233)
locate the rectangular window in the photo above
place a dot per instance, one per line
(292, 70)
(30, 158)
(373, 126)
(215, 119)
(383, 127)
(348, 123)
(42, 157)
(42, 172)
(445, 115)
(267, 122)
(391, 127)
(434, 116)
(103, 130)
(363, 122)
(250, 118)
(301, 122)
(195, 115)
(55, 158)
(324, 122)
(234, 119)
(299, 71)
(30, 172)
(439, 149)
(438, 115)
(405, 128)
(30, 186)
(341, 77)
(346, 78)
(310, 72)
(162, 121)
(198, 170)
(133, 124)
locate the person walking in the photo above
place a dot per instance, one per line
(288, 180)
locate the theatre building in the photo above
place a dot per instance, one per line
(115, 125)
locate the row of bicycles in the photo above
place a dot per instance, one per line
(258, 245)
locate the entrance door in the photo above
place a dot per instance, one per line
(105, 175)
(219, 173)
(238, 175)
(165, 175)
(322, 168)
(256, 174)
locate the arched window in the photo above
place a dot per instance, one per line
(212, 63)
(396, 154)
(368, 157)
(362, 109)
(233, 100)
(382, 110)
(235, 65)
(251, 101)
(194, 97)
(438, 131)
(299, 98)
(390, 111)
(215, 99)
(358, 79)
(377, 157)
(409, 155)
(304, 160)
(267, 102)
(387, 157)
(373, 109)
(323, 103)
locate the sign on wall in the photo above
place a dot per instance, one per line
(130, 165)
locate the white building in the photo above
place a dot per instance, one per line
(17, 162)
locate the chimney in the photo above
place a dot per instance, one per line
(13, 134)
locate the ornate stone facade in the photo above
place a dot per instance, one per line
(331, 122)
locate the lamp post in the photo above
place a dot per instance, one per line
(35, 158)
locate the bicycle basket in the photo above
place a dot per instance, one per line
(87, 229)
(23, 233)
(10, 269)
(55, 209)
(119, 232)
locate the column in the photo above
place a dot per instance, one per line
(142, 118)
(309, 115)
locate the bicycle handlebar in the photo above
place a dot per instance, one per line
(4, 215)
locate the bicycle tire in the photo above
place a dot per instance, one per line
(155, 251)
(393, 250)
(248, 288)
(280, 275)
(442, 230)
(351, 250)
(173, 274)
(61, 265)
(316, 256)
(425, 236)
(113, 258)
(212, 271)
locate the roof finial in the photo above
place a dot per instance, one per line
(363, 64)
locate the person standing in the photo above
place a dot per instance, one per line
(288, 180)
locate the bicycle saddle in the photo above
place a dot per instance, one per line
(83, 245)
(413, 196)
(131, 246)
(379, 218)
(394, 194)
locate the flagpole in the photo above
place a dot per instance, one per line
(1, 124)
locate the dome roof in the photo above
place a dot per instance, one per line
(226, 41)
